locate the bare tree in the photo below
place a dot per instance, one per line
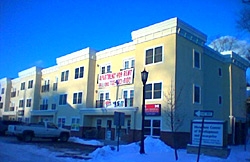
(229, 43)
(174, 115)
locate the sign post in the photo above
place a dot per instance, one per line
(203, 114)
(119, 118)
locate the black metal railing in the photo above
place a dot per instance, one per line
(44, 107)
(45, 88)
(129, 102)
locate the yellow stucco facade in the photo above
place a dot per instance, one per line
(81, 92)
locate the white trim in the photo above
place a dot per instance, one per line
(158, 99)
(196, 85)
(199, 68)
(153, 47)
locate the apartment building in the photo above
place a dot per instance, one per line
(85, 88)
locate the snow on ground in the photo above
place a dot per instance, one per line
(155, 150)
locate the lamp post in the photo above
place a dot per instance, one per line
(144, 78)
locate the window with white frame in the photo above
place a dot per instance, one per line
(30, 84)
(128, 95)
(219, 72)
(128, 126)
(63, 99)
(21, 103)
(106, 69)
(153, 90)
(28, 103)
(64, 75)
(75, 123)
(61, 122)
(154, 55)
(220, 100)
(22, 85)
(2, 91)
(79, 72)
(77, 98)
(196, 94)
(129, 63)
(152, 127)
(197, 60)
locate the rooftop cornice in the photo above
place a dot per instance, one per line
(86, 53)
(29, 72)
(50, 69)
(168, 27)
(115, 50)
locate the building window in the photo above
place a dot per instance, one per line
(197, 94)
(105, 69)
(153, 91)
(128, 126)
(27, 120)
(2, 91)
(129, 63)
(65, 76)
(1, 105)
(152, 128)
(77, 98)
(153, 55)
(220, 100)
(28, 103)
(55, 86)
(44, 105)
(63, 99)
(45, 87)
(21, 103)
(53, 106)
(23, 86)
(128, 95)
(197, 60)
(61, 122)
(13, 92)
(79, 72)
(75, 124)
(220, 72)
(30, 84)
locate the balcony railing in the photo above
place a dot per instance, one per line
(44, 107)
(12, 108)
(20, 113)
(13, 94)
(129, 102)
(45, 88)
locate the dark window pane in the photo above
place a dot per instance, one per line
(81, 72)
(156, 123)
(147, 123)
(197, 94)
(197, 59)
(148, 91)
(158, 54)
(149, 56)
(157, 90)
(76, 73)
(156, 132)
(146, 131)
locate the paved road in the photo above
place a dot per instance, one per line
(65, 148)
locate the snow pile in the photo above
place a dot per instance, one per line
(128, 152)
(86, 142)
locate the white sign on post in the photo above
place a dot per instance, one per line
(212, 133)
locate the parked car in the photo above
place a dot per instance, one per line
(5, 123)
(39, 130)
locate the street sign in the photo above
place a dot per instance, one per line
(203, 113)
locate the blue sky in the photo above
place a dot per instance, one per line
(36, 32)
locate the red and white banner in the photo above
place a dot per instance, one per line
(112, 79)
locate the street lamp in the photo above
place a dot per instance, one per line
(144, 78)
